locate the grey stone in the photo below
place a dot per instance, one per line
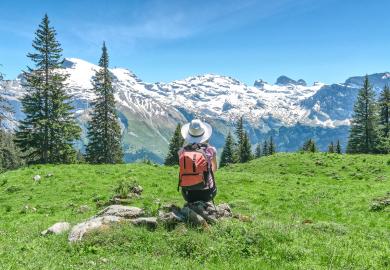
(121, 211)
(150, 222)
(170, 218)
(223, 210)
(58, 228)
(80, 230)
(137, 189)
(192, 217)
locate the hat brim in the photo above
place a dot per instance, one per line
(208, 130)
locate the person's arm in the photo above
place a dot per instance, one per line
(214, 165)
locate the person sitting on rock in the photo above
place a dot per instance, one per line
(198, 163)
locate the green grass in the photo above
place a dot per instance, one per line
(309, 211)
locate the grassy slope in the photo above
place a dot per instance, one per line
(309, 212)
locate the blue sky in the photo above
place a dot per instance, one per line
(317, 40)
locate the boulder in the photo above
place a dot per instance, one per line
(80, 230)
(58, 228)
(121, 211)
(149, 222)
(190, 216)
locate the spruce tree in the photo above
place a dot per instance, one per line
(331, 148)
(9, 152)
(265, 148)
(271, 146)
(363, 131)
(384, 120)
(338, 147)
(309, 146)
(240, 130)
(104, 132)
(175, 144)
(47, 133)
(228, 156)
(258, 152)
(246, 149)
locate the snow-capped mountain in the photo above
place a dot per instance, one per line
(289, 110)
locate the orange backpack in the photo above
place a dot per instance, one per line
(194, 168)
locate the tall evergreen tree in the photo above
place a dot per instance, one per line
(243, 148)
(47, 133)
(240, 130)
(175, 144)
(9, 152)
(331, 148)
(271, 146)
(258, 152)
(363, 131)
(228, 156)
(246, 149)
(265, 148)
(104, 132)
(338, 147)
(384, 120)
(309, 146)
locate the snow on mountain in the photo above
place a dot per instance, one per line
(150, 111)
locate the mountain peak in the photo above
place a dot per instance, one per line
(284, 80)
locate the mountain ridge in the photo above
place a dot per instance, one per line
(149, 111)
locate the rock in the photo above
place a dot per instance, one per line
(137, 189)
(78, 231)
(170, 218)
(223, 210)
(150, 222)
(83, 209)
(121, 211)
(37, 178)
(190, 216)
(58, 228)
(205, 210)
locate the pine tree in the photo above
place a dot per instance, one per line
(363, 131)
(104, 132)
(258, 152)
(243, 148)
(309, 146)
(246, 149)
(331, 148)
(265, 148)
(338, 147)
(175, 144)
(9, 152)
(240, 130)
(271, 146)
(228, 156)
(384, 120)
(47, 133)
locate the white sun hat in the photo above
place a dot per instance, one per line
(196, 131)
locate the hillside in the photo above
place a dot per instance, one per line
(291, 111)
(308, 211)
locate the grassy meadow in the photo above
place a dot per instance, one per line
(307, 211)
